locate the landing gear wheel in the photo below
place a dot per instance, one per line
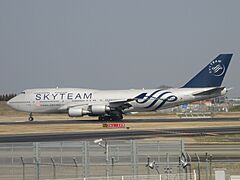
(30, 117)
(116, 118)
(100, 118)
(104, 118)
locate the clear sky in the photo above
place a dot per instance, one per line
(110, 44)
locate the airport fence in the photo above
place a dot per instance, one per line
(133, 159)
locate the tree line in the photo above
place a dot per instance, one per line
(6, 97)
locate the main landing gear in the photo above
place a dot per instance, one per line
(30, 118)
(114, 117)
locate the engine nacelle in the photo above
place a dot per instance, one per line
(77, 112)
(99, 109)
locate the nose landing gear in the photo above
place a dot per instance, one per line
(30, 118)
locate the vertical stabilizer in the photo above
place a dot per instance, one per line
(212, 75)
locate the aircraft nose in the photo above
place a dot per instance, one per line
(14, 103)
(9, 102)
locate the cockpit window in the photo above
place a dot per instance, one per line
(22, 92)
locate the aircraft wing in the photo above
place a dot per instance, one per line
(118, 104)
(71, 105)
(122, 104)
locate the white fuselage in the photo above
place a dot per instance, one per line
(112, 104)
(59, 100)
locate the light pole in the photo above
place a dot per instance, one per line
(190, 164)
(207, 161)
(54, 168)
(23, 163)
(76, 166)
(184, 163)
(105, 146)
(155, 166)
(210, 160)
(198, 159)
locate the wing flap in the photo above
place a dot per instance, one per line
(123, 104)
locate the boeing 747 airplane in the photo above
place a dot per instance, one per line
(113, 104)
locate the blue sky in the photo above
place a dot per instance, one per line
(111, 44)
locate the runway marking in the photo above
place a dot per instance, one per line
(212, 134)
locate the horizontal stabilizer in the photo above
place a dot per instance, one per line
(210, 92)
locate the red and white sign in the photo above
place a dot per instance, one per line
(114, 125)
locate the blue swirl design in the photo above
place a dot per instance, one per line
(170, 98)
(157, 99)
(148, 97)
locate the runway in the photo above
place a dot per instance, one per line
(48, 130)
(120, 134)
(147, 120)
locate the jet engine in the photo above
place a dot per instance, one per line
(99, 109)
(92, 110)
(77, 112)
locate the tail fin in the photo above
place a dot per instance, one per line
(212, 75)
